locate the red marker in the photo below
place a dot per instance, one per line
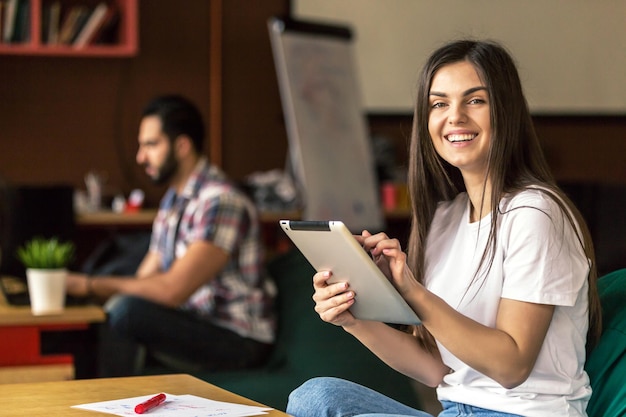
(150, 404)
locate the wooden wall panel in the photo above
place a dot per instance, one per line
(578, 148)
(253, 130)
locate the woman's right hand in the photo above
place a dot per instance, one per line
(332, 300)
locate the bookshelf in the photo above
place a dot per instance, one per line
(122, 40)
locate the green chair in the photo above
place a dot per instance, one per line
(606, 364)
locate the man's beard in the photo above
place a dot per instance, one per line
(167, 171)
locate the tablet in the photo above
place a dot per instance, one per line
(329, 245)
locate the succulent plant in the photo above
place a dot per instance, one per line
(46, 253)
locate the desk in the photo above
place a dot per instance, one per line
(20, 341)
(56, 398)
(95, 227)
(139, 219)
(144, 218)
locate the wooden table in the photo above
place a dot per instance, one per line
(95, 227)
(141, 218)
(52, 399)
(20, 341)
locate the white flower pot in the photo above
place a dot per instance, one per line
(46, 288)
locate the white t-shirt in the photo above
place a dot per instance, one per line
(538, 259)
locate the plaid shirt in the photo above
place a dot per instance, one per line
(210, 208)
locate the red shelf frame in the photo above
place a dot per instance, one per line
(128, 38)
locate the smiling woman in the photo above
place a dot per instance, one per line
(499, 266)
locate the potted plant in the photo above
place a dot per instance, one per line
(46, 261)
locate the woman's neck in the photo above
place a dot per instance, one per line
(479, 193)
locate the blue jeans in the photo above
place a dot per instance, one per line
(177, 338)
(334, 397)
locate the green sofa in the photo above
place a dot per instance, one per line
(606, 364)
(307, 347)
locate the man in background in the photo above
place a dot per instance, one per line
(199, 299)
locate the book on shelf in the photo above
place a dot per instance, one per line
(80, 23)
(21, 23)
(50, 22)
(72, 23)
(94, 23)
(108, 32)
(2, 12)
(15, 21)
(9, 18)
(45, 21)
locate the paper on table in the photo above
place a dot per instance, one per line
(176, 406)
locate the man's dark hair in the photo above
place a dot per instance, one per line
(179, 116)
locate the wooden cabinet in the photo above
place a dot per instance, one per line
(33, 16)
